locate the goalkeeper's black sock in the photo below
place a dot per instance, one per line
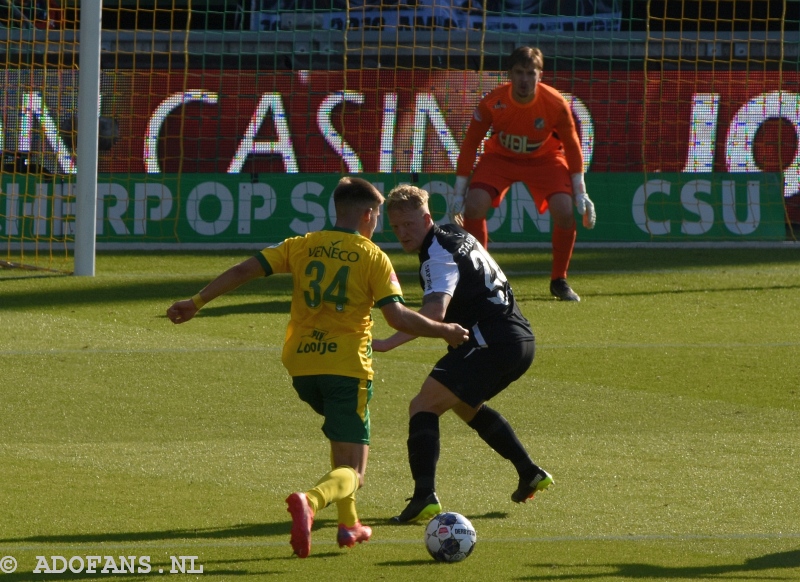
(423, 452)
(494, 429)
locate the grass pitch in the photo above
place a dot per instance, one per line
(666, 405)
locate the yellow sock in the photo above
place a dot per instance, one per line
(337, 485)
(347, 510)
(347, 506)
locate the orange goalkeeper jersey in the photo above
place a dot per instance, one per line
(524, 131)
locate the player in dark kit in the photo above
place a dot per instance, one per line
(461, 284)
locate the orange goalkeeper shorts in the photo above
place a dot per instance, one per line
(543, 176)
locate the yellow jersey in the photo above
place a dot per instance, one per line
(338, 275)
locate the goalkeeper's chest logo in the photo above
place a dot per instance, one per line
(518, 143)
(539, 123)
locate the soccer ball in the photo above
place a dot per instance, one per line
(450, 537)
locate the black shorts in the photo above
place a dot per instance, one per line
(476, 374)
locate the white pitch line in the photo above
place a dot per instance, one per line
(159, 545)
(511, 272)
(63, 351)
(539, 346)
(672, 345)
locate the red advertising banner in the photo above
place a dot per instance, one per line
(379, 121)
(721, 121)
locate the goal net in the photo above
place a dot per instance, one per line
(38, 97)
(229, 126)
(720, 97)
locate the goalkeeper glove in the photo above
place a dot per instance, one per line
(455, 203)
(582, 201)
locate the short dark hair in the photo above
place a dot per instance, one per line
(526, 55)
(357, 193)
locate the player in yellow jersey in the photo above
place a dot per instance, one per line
(533, 141)
(338, 276)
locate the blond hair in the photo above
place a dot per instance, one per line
(406, 197)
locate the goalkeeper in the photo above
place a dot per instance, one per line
(533, 141)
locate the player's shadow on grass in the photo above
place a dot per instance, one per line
(219, 568)
(253, 308)
(90, 291)
(68, 575)
(487, 515)
(698, 290)
(5, 277)
(245, 530)
(779, 560)
(160, 568)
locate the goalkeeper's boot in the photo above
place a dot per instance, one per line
(350, 536)
(527, 489)
(419, 508)
(561, 290)
(302, 520)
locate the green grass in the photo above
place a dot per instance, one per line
(666, 405)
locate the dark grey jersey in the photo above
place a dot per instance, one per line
(452, 261)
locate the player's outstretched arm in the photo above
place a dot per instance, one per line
(413, 324)
(434, 307)
(184, 310)
(391, 342)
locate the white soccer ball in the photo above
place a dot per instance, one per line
(450, 537)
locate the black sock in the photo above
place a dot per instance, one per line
(423, 451)
(494, 429)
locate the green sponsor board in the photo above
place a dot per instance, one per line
(36, 208)
(241, 209)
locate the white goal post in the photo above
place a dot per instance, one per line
(88, 128)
